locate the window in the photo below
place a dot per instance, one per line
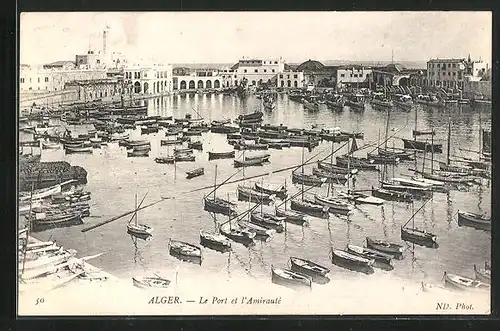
(449, 65)
(265, 70)
(342, 75)
(46, 79)
(275, 62)
(351, 75)
(273, 70)
(245, 70)
(98, 61)
(256, 70)
(454, 65)
(295, 76)
(234, 76)
(356, 75)
(281, 76)
(287, 76)
(39, 80)
(22, 80)
(449, 73)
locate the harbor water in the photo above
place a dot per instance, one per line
(115, 179)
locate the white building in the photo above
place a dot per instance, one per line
(291, 79)
(148, 78)
(257, 71)
(354, 74)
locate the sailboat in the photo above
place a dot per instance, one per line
(421, 145)
(136, 228)
(218, 205)
(418, 236)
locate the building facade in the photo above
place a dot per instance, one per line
(258, 71)
(88, 90)
(447, 73)
(291, 79)
(149, 79)
(316, 74)
(355, 75)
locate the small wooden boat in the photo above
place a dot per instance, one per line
(239, 235)
(483, 275)
(474, 220)
(292, 216)
(309, 208)
(309, 180)
(185, 158)
(214, 240)
(336, 168)
(261, 233)
(290, 278)
(307, 267)
(167, 142)
(198, 145)
(391, 195)
(277, 190)
(184, 250)
(50, 145)
(72, 150)
(335, 206)
(220, 155)
(422, 146)
(133, 143)
(248, 163)
(360, 198)
(245, 146)
(352, 262)
(138, 153)
(261, 157)
(249, 194)
(394, 153)
(195, 173)
(220, 206)
(423, 132)
(384, 246)
(165, 159)
(251, 116)
(331, 177)
(368, 253)
(56, 220)
(419, 237)
(183, 151)
(149, 129)
(268, 221)
(193, 132)
(224, 129)
(150, 282)
(357, 163)
(464, 283)
(139, 229)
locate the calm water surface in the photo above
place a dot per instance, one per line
(114, 180)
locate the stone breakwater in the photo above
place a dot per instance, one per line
(45, 174)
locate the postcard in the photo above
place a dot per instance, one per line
(254, 163)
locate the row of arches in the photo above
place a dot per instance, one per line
(289, 83)
(198, 85)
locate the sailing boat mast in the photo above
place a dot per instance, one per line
(215, 181)
(432, 151)
(449, 141)
(302, 191)
(28, 231)
(331, 162)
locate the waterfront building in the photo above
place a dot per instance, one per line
(354, 75)
(94, 89)
(148, 79)
(452, 73)
(291, 79)
(229, 77)
(187, 79)
(258, 71)
(316, 74)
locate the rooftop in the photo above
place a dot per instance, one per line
(446, 60)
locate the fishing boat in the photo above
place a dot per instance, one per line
(246, 146)
(74, 150)
(167, 142)
(311, 106)
(138, 153)
(185, 251)
(310, 208)
(268, 221)
(429, 100)
(290, 278)
(336, 168)
(149, 129)
(261, 233)
(383, 159)
(404, 102)
(292, 216)
(137, 228)
(395, 153)
(391, 195)
(240, 235)
(358, 163)
(368, 253)
(483, 275)
(279, 191)
(155, 282)
(195, 173)
(352, 262)
(474, 220)
(335, 206)
(198, 145)
(248, 163)
(418, 236)
(416, 190)
(307, 267)
(305, 179)
(184, 158)
(214, 240)
(360, 198)
(220, 155)
(165, 159)
(249, 194)
(251, 116)
(44, 221)
(379, 100)
(262, 157)
(336, 103)
(223, 128)
(218, 205)
(50, 145)
(464, 283)
(355, 102)
(384, 246)
(331, 177)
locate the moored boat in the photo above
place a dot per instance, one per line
(368, 253)
(352, 262)
(309, 208)
(464, 283)
(215, 241)
(309, 180)
(483, 275)
(335, 206)
(290, 278)
(292, 216)
(220, 206)
(474, 220)
(195, 173)
(278, 190)
(155, 282)
(240, 235)
(384, 246)
(165, 159)
(185, 251)
(307, 267)
(419, 237)
(220, 155)
(74, 150)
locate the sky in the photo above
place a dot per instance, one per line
(226, 37)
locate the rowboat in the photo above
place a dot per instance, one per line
(224, 129)
(139, 229)
(215, 241)
(474, 220)
(309, 208)
(220, 206)
(262, 157)
(50, 145)
(384, 246)
(358, 163)
(420, 237)
(165, 159)
(195, 173)
(150, 282)
(307, 267)
(391, 195)
(268, 221)
(249, 194)
(167, 142)
(290, 278)
(60, 219)
(71, 150)
(220, 155)
(360, 198)
(464, 283)
(140, 152)
(422, 146)
(292, 216)
(335, 206)
(368, 253)
(483, 275)
(184, 251)
(248, 163)
(331, 177)
(261, 232)
(198, 145)
(306, 179)
(183, 151)
(185, 158)
(278, 190)
(240, 235)
(336, 168)
(251, 116)
(352, 262)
